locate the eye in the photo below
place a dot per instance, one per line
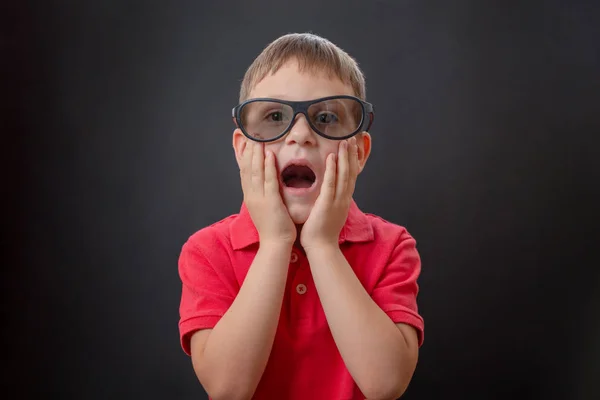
(275, 116)
(326, 118)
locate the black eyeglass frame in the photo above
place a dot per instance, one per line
(301, 107)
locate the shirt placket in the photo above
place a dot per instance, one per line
(301, 288)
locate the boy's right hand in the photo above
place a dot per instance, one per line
(260, 185)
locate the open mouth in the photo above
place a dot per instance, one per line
(298, 176)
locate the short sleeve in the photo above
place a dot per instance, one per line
(204, 296)
(397, 289)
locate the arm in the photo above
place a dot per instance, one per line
(380, 355)
(230, 359)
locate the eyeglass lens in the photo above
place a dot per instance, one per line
(265, 120)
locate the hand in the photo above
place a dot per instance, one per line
(329, 214)
(260, 185)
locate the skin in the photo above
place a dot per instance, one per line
(230, 358)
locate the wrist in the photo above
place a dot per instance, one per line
(322, 248)
(276, 245)
(275, 254)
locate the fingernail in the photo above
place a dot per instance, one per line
(344, 145)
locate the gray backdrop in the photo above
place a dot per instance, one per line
(118, 147)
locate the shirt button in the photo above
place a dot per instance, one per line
(301, 288)
(294, 257)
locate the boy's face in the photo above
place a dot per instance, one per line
(301, 145)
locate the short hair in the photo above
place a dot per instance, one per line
(313, 54)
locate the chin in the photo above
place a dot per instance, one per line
(299, 212)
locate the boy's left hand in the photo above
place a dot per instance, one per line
(328, 215)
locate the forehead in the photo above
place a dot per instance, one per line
(291, 83)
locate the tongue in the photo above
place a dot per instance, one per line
(298, 183)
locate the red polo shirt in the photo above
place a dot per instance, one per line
(304, 362)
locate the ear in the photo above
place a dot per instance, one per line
(364, 149)
(239, 142)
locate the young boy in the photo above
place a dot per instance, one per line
(301, 295)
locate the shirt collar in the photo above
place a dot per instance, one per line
(357, 228)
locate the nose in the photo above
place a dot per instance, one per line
(301, 132)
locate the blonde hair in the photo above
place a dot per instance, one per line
(313, 54)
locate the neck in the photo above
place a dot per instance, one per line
(298, 230)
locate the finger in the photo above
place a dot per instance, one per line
(258, 168)
(246, 166)
(271, 181)
(328, 187)
(343, 170)
(353, 160)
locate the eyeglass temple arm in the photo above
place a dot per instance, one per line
(371, 114)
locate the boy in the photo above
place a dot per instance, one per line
(301, 295)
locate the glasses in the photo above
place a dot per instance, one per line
(335, 117)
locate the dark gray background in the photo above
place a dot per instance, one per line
(118, 147)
